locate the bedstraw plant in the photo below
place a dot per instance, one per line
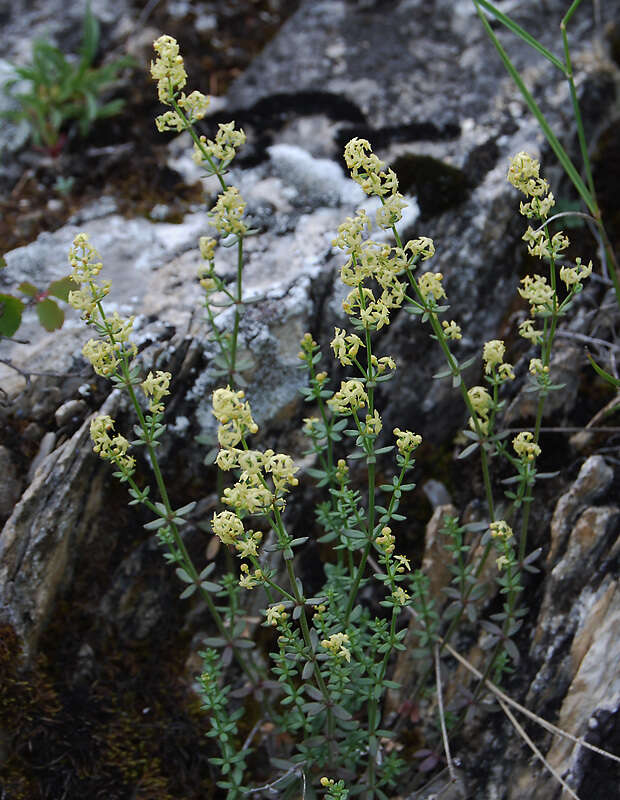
(324, 682)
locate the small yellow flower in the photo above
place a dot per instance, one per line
(492, 355)
(525, 446)
(168, 69)
(422, 247)
(275, 614)
(537, 367)
(402, 563)
(385, 541)
(430, 284)
(228, 212)
(500, 529)
(207, 247)
(336, 645)
(349, 398)
(451, 329)
(400, 596)
(527, 331)
(102, 356)
(155, 387)
(406, 441)
(227, 527)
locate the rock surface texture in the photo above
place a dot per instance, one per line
(421, 81)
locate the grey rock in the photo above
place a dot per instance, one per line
(593, 480)
(411, 81)
(69, 411)
(40, 541)
(46, 446)
(11, 485)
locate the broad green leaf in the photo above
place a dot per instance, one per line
(50, 315)
(10, 314)
(28, 288)
(61, 288)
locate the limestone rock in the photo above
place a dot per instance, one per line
(41, 539)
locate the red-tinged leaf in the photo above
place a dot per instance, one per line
(50, 315)
(28, 288)
(10, 314)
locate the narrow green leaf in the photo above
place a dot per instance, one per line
(598, 369)
(557, 148)
(468, 450)
(523, 34)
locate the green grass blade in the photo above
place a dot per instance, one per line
(522, 34)
(557, 148)
(600, 371)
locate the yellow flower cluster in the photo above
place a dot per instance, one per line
(84, 260)
(111, 448)
(350, 397)
(370, 261)
(373, 424)
(537, 368)
(406, 441)
(336, 645)
(365, 169)
(276, 614)
(224, 148)
(386, 541)
(493, 355)
(524, 174)
(527, 331)
(537, 292)
(102, 353)
(572, 276)
(525, 446)
(251, 492)
(541, 245)
(345, 346)
(102, 356)
(207, 247)
(155, 387)
(234, 415)
(250, 581)
(500, 529)
(452, 330)
(228, 528)
(400, 596)
(168, 69)
(228, 212)
(482, 403)
(430, 284)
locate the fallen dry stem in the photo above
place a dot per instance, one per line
(520, 730)
(534, 717)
